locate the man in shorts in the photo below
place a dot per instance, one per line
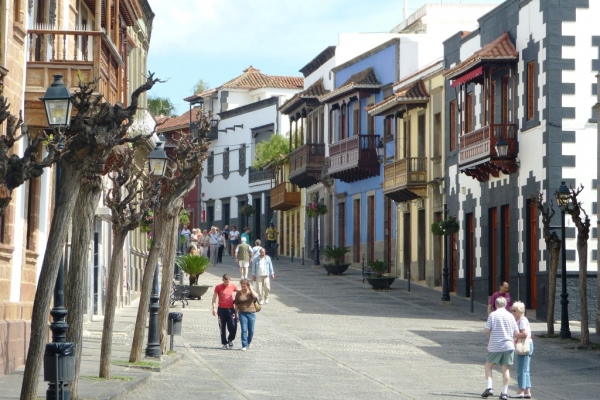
(501, 327)
(225, 311)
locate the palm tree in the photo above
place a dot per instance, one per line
(335, 253)
(193, 265)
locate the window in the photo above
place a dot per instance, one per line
(343, 121)
(322, 127)
(504, 99)
(355, 121)
(370, 125)
(387, 127)
(452, 129)
(210, 167)
(437, 134)
(421, 133)
(493, 103)
(531, 90)
(330, 139)
(226, 161)
(242, 159)
(469, 113)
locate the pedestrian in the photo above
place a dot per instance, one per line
(246, 311)
(234, 239)
(221, 246)
(503, 292)
(262, 270)
(184, 239)
(271, 236)
(225, 311)
(226, 236)
(256, 250)
(194, 238)
(502, 328)
(247, 235)
(213, 242)
(203, 241)
(243, 254)
(524, 361)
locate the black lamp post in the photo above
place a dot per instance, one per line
(316, 260)
(445, 272)
(57, 103)
(157, 166)
(379, 150)
(563, 197)
(501, 148)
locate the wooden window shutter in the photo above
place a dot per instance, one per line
(531, 90)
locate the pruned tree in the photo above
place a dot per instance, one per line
(553, 244)
(128, 200)
(185, 165)
(98, 127)
(575, 210)
(15, 170)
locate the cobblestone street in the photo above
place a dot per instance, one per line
(333, 337)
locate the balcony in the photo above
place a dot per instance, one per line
(284, 197)
(306, 164)
(405, 179)
(477, 153)
(76, 55)
(259, 175)
(354, 158)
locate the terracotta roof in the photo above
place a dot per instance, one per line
(252, 79)
(501, 49)
(312, 92)
(414, 92)
(183, 121)
(365, 79)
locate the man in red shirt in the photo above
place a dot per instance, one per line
(225, 312)
(503, 292)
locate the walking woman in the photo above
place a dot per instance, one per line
(523, 379)
(246, 312)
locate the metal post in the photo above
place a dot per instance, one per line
(445, 273)
(472, 300)
(153, 347)
(302, 255)
(408, 273)
(565, 332)
(177, 270)
(316, 260)
(292, 253)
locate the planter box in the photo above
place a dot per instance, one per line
(335, 269)
(381, 283)
(197, 291)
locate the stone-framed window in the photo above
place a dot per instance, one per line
(210, 166)
(242, 159)
(226, 163)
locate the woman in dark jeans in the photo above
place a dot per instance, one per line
(245, 311)
(221, 240)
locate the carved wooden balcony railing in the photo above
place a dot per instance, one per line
(285, 197)
(306, 164)
(354, 158)
(259, 175)
(405, 179)
(477, 153)
(76, 55)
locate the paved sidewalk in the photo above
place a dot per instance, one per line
(125, 379)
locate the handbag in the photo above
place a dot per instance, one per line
(256, 305)
(523, 345)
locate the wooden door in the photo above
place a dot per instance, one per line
(493, 251)
(356, 222)
(388, 230)
(469, 253)
(371, 226)
(407, 243)
(505, 245)
(532, 250)
(421, 244)
(453, 261)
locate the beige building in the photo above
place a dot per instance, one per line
(414, 174)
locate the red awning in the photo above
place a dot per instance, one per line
(468, 77)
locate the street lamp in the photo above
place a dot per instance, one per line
(563, 197)
(316, 260)
(445, 272)
(501, 148)
(379, 150)
(57, 103)
(157, 166)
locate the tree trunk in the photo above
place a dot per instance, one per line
(116, 266)
(554, 254)
(585, 331)
(158, 238)
(167, 280)
(63, 209)
(83, 226)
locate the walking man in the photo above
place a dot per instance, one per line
(213, 241)
(243, 254)
(262, 270)
(271, 235)
(225, 311)
(502, 328)
(503, 292)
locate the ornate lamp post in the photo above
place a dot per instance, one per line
(316, 260)
(563, 196)
(157, 166)
(445, 273)
(379, 149)
(58, 106)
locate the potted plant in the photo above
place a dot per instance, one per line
(444, 227)
(247, 210)
(194, 266)
(336, 254)
(315, 209)
(376, 276)
(184, 218)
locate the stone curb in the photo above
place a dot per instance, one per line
(165, 363)
(130, 387)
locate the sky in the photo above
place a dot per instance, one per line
(215, 40)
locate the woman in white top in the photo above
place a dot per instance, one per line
(524, 381)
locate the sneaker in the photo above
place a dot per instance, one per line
(224, 347)
(517, 396)
(266, 301)
(231, 345)
(503, 396)
(488, 392)
(261, 302)
(249, 345)
(243, 349)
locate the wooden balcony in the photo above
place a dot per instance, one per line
(354, 158)
(405, 179)
(306, 164)
(259, 175)
(477, 153)
(76, 55)
(284, 197)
